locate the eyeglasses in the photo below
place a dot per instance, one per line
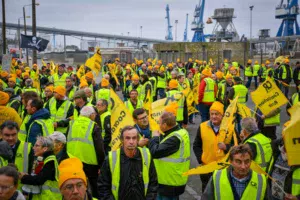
(71, 187)
(6, 188)
(142, 118)
(36, 145)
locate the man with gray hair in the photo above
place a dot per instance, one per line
(59, 141)
(89, 94)
(29, 87)
(259, 144)
(85, 142)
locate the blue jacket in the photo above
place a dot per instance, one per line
(36, 129)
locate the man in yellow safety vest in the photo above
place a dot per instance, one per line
(260, 145)
(237, 181)
(84, 141)
(171, 156)
(128, 172)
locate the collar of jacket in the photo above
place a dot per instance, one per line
(135, 157)
(252, 134)
(175, 128)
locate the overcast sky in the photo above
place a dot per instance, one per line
(123, 16)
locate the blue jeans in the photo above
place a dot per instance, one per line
(204, 111)
(160, 197)
(248, 84)
(255, 82)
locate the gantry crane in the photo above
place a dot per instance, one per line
(288, 13)
(169, 35)
(186, 29)
(197, 24)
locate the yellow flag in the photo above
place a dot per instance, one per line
(268, 97)
(43, 63)
(291, 136)
(112, 70)
(94, 62)
(279, 59)
(196, 92)
(157, 109)
(80, 73)
(36, 80)
(205, 169)
(120, 117)
(227, 124)
(153, 124)
(148, 102)
(243, 110)
(154, 61)
(54, 68)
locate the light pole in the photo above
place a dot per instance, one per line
(34, 59)
(25, 28)
(141, 27)
(19, 30)
(3, 28)
(176, 22)
(251, 8)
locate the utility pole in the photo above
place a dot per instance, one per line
(176, 22)
(251, 8)
(141, 27)
(3, 28)
(34, 58)
(25, 32)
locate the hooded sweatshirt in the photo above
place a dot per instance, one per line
(36, 129)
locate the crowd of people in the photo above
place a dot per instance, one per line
(56, 131)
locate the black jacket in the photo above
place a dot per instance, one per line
(47, 173)
(295, 75)
(168, 147)
(131, 181)
(92, 170)
(107, 137)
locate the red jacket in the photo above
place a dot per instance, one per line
(201, 92)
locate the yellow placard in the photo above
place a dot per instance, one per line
(291, 136)
(268, 97)
(120, 117)
(94, 63)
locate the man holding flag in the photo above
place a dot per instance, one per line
(207, 147)
(171, 156)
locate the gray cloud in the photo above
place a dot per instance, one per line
(122, 16)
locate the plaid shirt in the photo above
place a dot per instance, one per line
(240, 184)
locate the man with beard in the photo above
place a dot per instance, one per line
(70, 88)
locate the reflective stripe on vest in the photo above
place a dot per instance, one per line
(50, 189)
(296, 182)
(209, 94)
(295, 98)
(47, 129)
(170, 169)
(59, 114)
(22, 156)
(264, 155)
(85, 139)
(3, 162)
(162, 82)
(102, 118)
(59, 81)
(115, 166)
(242, 91)
(130, 107)
(80, 137)
(223, 189)
(22, 136)
(172, 95)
